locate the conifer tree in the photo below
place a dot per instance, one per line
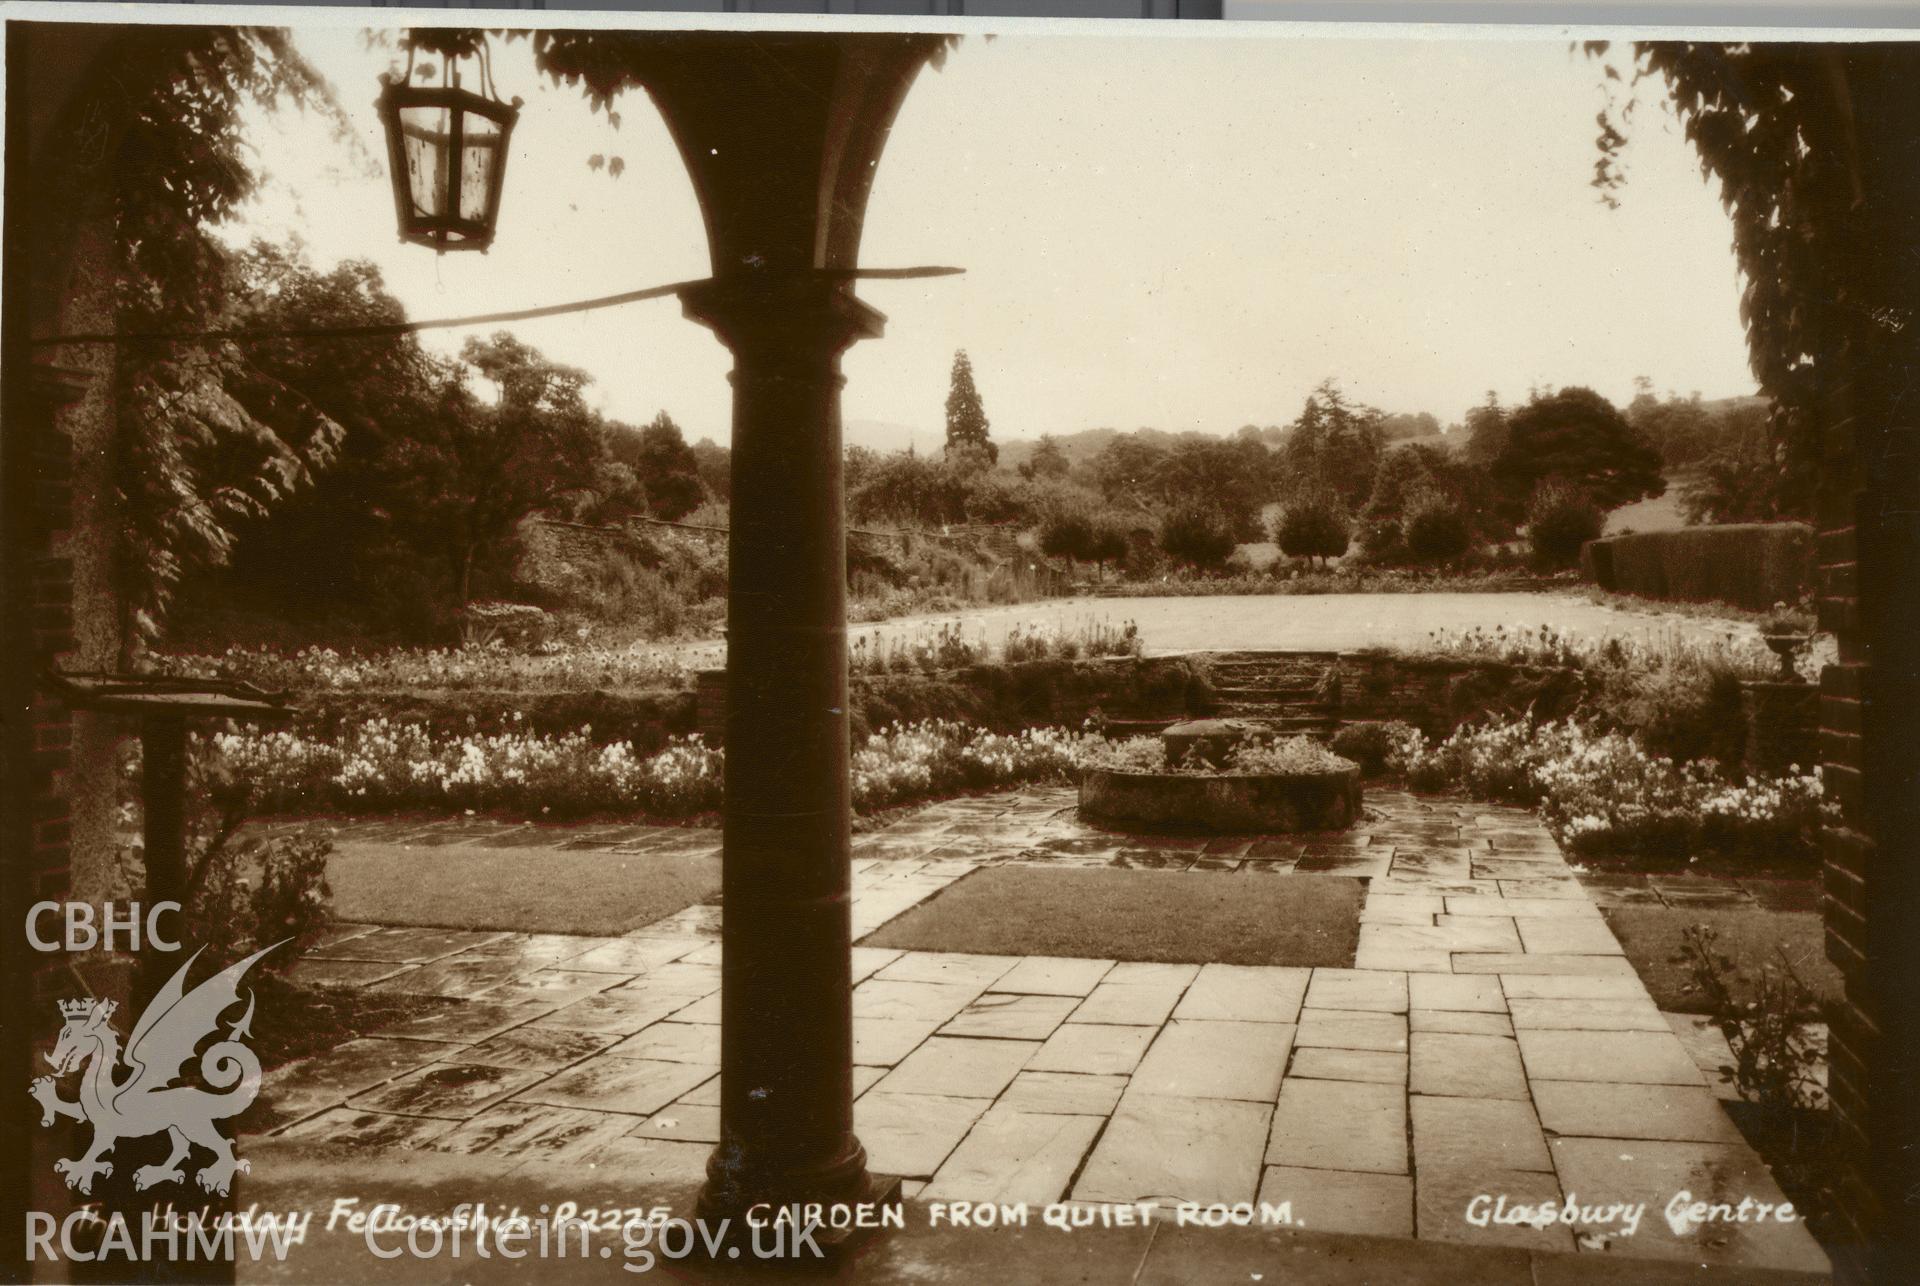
(966, 417)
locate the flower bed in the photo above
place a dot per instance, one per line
(557, 666)
(383, 765)
(1603, 793)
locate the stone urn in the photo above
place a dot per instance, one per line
(1786, 647)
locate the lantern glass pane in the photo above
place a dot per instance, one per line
(480, 156)
(425, 130)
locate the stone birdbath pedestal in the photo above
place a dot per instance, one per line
(1202, 784)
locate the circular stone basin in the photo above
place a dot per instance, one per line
(1320, 801)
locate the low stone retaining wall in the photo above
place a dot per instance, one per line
(1233, 804)
(1008, 698)
(1438, 695)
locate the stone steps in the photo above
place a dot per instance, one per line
(1287, 690)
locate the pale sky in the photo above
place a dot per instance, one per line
(1182, 232)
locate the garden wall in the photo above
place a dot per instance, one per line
(1438, 695)
(1008, 698)
(1751, 565)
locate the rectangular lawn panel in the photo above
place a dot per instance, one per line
(527, 890)
(1138, 915)
(1751, 937)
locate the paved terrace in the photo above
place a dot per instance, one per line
(1491, 1039)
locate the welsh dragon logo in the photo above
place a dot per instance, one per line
(146, 1100)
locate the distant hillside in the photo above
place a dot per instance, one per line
(1721, 405)
(884, 435)
(1662, 513)
(1088, 443)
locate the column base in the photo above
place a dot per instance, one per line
(840, 1233)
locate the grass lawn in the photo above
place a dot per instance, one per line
(1138, 915)
(526, 890)
(1753, 938)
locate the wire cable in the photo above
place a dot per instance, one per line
(382, 330)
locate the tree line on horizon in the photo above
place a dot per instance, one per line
(418, 467)
(1342, 476)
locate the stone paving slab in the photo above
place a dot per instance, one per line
(682, 1121)
(532, 1130)
(1194, 1058)
(1053, 976)
(1449, 1203)
(1012, 1155)
(1607, 1170)
(1340, 1125)
(960, 1068)
(1093, 1048)
(1011, 1017)
(1064, 1093)
(1244, 993)
(1374, 1205)
(1129, 1004)
(1465, 1022)
(1623, 1057)
(636, 1086)
(1680, 1113)
(1468, 1066)
(1475, 1135)
(1350, 1029)
(1488, 1014)
(1481, 994)
(911, 1134)
(447, 1089)
(1183, 1149)
(1587, 1015)
(1378, 1066)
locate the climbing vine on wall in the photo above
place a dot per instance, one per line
(1791, 132)
(206, 439)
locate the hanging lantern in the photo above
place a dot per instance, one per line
(446, 153)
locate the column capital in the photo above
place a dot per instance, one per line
(798, 319)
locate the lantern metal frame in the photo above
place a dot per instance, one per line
(446, 230)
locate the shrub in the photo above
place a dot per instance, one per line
(226, 913)
(1437, 532)
(293, 899)
(1198, 537)
(1110, 543)
(1772, 1065)
(1560, 519)
(1369, 744)
(1314, 526)
(1068, 535)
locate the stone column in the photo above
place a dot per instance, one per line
(786, 1094)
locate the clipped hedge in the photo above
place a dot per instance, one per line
(1751, 565)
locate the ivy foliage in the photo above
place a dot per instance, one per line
(1808, 143)
(207, 438)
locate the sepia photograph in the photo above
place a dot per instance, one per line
(946, 648)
